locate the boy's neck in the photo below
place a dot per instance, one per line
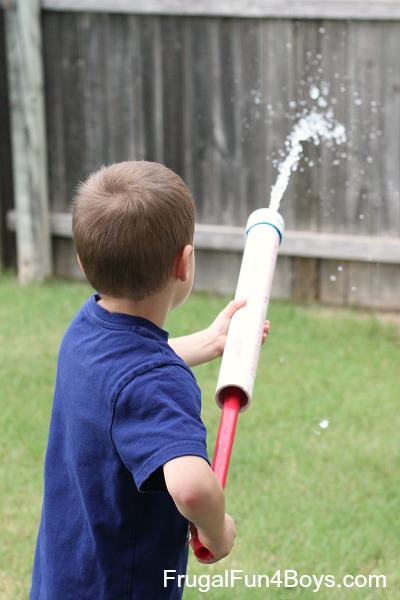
(153, 309)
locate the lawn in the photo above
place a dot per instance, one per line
(313, 484)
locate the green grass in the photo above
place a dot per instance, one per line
(320, 501)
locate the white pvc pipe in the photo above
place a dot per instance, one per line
(264, 231)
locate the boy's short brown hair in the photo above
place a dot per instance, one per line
(129, 221)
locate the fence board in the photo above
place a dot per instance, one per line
(64, 115)
(7, 242)
(280, 94)
(389, 132)
(335, 168)
(365, 88)
(23, 45)
(172, 41)
(151, 69)
(230, 134)
(306, 201)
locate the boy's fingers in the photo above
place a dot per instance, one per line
(233, 306)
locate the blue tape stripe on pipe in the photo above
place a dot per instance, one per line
(266, 223)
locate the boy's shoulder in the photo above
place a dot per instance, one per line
(123, 345)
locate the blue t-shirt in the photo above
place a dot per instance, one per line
(124, 405)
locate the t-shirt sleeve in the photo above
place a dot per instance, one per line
(157, 418)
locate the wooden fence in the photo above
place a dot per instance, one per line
(213, 90)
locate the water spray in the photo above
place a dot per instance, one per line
(242, 348)
(311, 127)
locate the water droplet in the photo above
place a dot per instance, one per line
(361, 217)
(325, 87)
(332, 277)
(340, 268)
(323, 424)
(321, 30)
(314, 93)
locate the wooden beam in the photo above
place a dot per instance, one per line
(29, 152)
(307, 245)
(328, 246)
(289, 9)
(335, 246)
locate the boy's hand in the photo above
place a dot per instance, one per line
(218, 329)
(209, 343)
(219, 548)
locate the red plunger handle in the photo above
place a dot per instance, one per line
(223, 449)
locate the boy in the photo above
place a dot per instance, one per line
(126, 466)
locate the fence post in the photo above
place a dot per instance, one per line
(29, 151)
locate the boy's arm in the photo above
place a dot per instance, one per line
(205, 345)
(199, 497)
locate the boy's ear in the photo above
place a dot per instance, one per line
(80, 265)
(182, 263)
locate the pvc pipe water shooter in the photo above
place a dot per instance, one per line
(242, 348)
